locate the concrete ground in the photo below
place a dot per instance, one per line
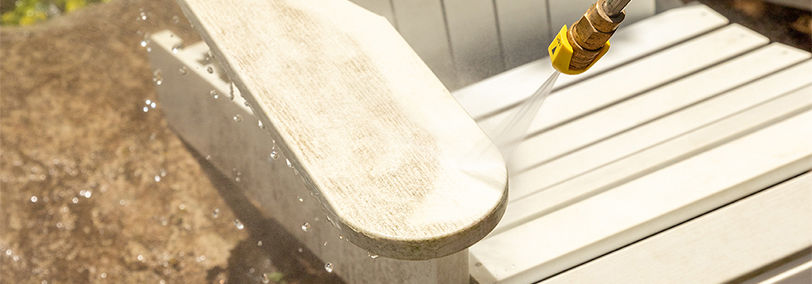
(94, 189)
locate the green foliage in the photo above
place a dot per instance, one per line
(28, 12)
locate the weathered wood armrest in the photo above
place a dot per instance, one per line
(398, 165)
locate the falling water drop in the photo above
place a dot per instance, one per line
(306, 227)
(300, 199)
(215, 213)
(274, 154)
(75, 200)
(238, 224)
(145, 109)
(157, 178)
(328, 267)
(288, 163)
(157, 78)
(372, 255)
(176, 48)
(34, 199)
(260, 125)
(259, 243)
(214, 94)
(237, 118)
(182, 70)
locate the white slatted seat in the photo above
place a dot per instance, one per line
(697, 138)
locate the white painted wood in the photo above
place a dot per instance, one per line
(346, 100)
(380, 7)
(524, 30)
(540, 149)
(242, 149)
(715, 248)
(654, 145)
(629, 43)
(422, 25)
(647, 73)
(597, 225)
(474, 39)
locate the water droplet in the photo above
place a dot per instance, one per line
(148, 101)
(201, 258)
(176, 48)
(182, 207)
(210, 70)
(145, 109)
(157, 178)
(9, 252)
(300, 250)
(144, 42)
(215, 213)
(183, 70)
(324, 244)
(300, 199)
(306, 227)
(103, 275)
(274, 155)
(238, 224)
(75, 200)
(153, 105)
(86, 193)
(237, 118)
(214, 94)
(15, 258)
(142, 15)
(288, 163)
(259, 124)
(237, 179)
(328, 267)
(265, 278)
(157, 78)
(140, 257)
(208, 157)
(34, 199)
(259, 243)
(372, 255)
(231, 88)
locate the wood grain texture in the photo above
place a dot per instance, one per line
(641, 207)
(715, 248)
(240, 149)
(398, 165)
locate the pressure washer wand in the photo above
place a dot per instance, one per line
(573, 51)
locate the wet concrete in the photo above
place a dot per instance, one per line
(94, 189)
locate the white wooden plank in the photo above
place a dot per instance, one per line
(422, 25)
(715, 248)
(524, 30)
(629, 43)
(474, 39)
(345, 98)
(636, 77)
(639, 208)
(380, 7)
(653, 145)
(556, 142)
(187, 103)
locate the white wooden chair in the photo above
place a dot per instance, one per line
(682, 157)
